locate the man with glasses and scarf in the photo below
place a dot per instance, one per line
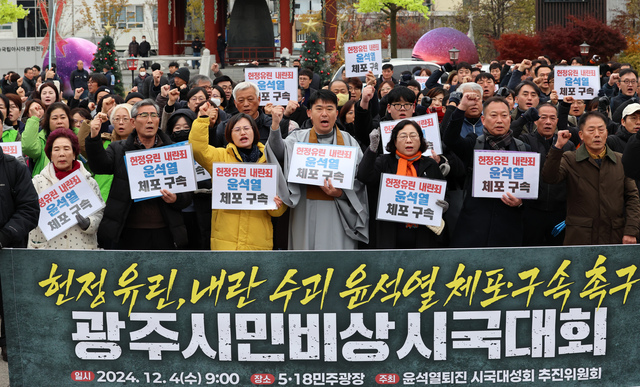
(153, 224)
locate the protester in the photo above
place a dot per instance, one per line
(315, 211)
(153, 224)
(602, 203)
(63, 149)
(405, 158)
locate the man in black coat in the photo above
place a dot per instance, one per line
(153, 224)
(79, 79)
(485, 222)
(144, 50)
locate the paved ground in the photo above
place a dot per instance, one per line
(4, 374)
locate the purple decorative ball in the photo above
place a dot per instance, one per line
(75, 49)
(434, 46)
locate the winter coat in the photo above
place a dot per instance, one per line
(33, 141)
(602, 203)
(19, 209)
(370, 171)
(74, 238)
(111, 161)
(618, 141)
(232, 229)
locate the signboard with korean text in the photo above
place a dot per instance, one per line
(12, 148)
(430, 129)
(408, 199)
(201, 173)
(170, 168)
(277, 85)
(497, 172)
(362, 57)
(579, 82)
(422, 81)
(312, 164)
(60, 204)
(560, 316)
(244, 186)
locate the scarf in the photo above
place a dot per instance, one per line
(314, 192)
(498, 142)
(405, 164)
(250, 155)
(62, 174)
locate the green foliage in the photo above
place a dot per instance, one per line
(195, 18)
(314, 58)
(10, 12)
(106, 55)
(492, 18)
(391, 9)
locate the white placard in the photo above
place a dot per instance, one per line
(201, 173)
(60, 203)
(408, 199)
(12, 148)
(151, 170)
(311, 164)
(362, 57)
(422, 81)
(497, 172)
(244, 186)
(430, 129)
(277, 85)
(579, 82)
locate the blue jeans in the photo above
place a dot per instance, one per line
(196, 62)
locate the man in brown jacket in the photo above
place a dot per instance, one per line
(602, 203)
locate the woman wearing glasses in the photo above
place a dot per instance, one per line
(235, 229)
(404, 158)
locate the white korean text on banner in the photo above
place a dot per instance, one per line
(277, 85)
(362, 57)
(60, 204)
(312, 164)
(409, 199)
(244, 186)
(12, 148)
(579, 82)
(169, 168)
(430, 129)
(497, 172)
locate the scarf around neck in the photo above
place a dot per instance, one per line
(501, 142)
(250, 155)
(62, 174)
(405, 164)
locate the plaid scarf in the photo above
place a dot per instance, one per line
(498, 142)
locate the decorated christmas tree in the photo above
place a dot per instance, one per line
(314, 58)
(106, 56)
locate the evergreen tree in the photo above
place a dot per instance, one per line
(106, 55)
(314, 58)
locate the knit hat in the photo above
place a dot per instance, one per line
(133, 95)
(183, 73)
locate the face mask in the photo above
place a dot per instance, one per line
(142, 73)
(216, 101)
(180, 136)
(342, 98)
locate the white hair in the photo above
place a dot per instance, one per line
(470, 86)
(244, 86)
(124, 106)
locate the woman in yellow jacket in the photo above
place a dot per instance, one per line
(235, 229)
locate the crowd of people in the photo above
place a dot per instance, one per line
(588, 150)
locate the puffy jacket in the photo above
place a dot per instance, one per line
(232, 229)
(75, 237)
(111, 161)
(19, 209)
(33, 142)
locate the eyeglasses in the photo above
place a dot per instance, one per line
(412, 136)
(400, 106)
(242, 129)
(124, 119)
(147, 115)
(629, 81)
(207, 87)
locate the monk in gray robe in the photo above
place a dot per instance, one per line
(322, 217)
